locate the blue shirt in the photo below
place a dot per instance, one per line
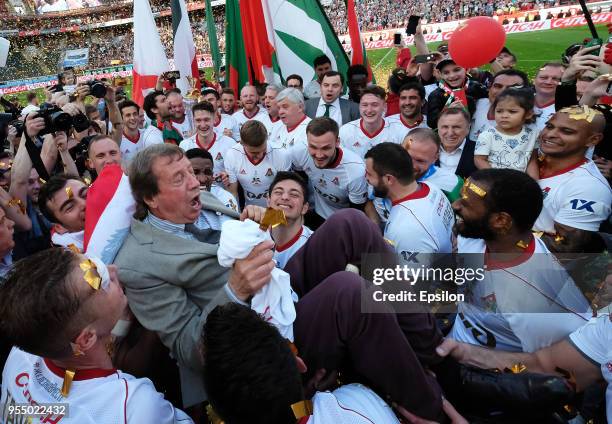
(205, 221)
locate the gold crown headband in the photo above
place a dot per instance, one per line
(469, 185)
(579, 113)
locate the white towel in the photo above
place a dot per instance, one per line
(275, 301)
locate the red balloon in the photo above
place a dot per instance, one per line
(476, 42)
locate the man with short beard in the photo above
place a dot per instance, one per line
(411, 99)
(228, 101)
(131, 139)
(179, 118)
(251, 109)
(421, 218)
(576, 196)
(157, 108)
(223, 124)
(525, 300)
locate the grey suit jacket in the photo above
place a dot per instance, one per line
(172, 284)
(348, 108)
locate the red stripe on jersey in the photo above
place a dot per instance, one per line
(492, 264)
(419, 194)
(296, 125)
(291, 242)
(338, 159)
(378, 131)
(125, 402)
(563, 171)
(201, 146)
(80, 375)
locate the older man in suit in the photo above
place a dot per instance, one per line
(168, 266)
(456, 150)
(330, 104)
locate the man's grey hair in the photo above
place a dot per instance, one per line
(142, 179)
(294, 95)
(274, 87)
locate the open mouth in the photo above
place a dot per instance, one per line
(284, 207)
(195, 202)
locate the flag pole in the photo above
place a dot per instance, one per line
(587, 16)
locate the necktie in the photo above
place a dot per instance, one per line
(204, 236)
(327, 107)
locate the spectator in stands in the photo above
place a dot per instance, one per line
(321, 65)
(32, 105)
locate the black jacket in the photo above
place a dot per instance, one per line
(437, 100)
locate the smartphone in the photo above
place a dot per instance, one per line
(397, 39)
(592, 43)
(423, 58)
(413, 22)
(172, 75)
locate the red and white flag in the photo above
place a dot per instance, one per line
(185, 60)
(150, 59)
(108, 215)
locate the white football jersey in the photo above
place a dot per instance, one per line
(96, 396)
(260, 115)
(185, 128)
(151, 135)
(401, 128)
(129, 146)
(227, 122)
(335, 187)
(355, 138)
(520, 305)
(421, 223)
(255, 177)
(218, 148)
(224, 197)
(286, 138)
(351, 404)
(543, 114)
(578, 197)
(594, 341)
(481, 119)
(284, 252)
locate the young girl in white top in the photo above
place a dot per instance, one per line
(512, 142)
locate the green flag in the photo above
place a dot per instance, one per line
(236, 70)
(212, 37)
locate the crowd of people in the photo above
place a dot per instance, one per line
(43, 51)
(244, 257)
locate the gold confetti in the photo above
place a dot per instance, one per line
(302, 409)
(580, 113)
(521, 244)
(272, 218)
(91, 274)
(69, 192)
(68, 377)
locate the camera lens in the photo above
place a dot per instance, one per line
(97, 89)
(61, 121)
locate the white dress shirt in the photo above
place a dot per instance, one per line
(334, 111)
(450, 160)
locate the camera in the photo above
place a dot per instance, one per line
(172, 75)
(80, 122)
(97, 88)
(55, 119)
(18, 125)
